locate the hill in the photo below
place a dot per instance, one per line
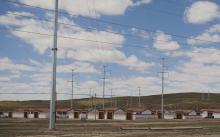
(171, 101)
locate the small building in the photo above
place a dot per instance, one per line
(132, 112)
(77, 114)
(119, 114)
(146, 115)
(6, 114)
(187, 114)
(210, 113)
(62, 112)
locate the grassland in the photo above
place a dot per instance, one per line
(172, 101)
(69, 128)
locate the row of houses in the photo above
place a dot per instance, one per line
(112, 114)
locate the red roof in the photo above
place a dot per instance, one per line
(212, 110)
(136, 109)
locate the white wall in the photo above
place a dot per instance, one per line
(204, 114)
(91, 115)
(70, 115)
(43, 115)
(216, 115)
(119, 116)
(169, 116)
(18, 114)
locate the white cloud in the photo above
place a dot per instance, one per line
(94, 8)
(7, 64)
(109, 56)
(199, 72)
(75, 49)
(165, 42)
(209, 36)
(201, 12)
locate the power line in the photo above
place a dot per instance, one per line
(74, 38)
(115, 23)
(74, 25)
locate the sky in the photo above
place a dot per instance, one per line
(129, 37)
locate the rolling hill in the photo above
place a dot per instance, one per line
(171, 101)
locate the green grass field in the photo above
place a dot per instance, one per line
(69, 128)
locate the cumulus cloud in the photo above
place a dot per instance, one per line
(209, 36)
(165, 42)
(78, 48)
(92, 8)
(199, 72)
(201, 12)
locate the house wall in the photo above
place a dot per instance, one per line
(91, 115)
(5, 114)
(204, 114)
(169, 116)
(216, 115)
(30, 115)
(70, 115)
(145, 117)
(119, 116)
(43, 115)
(18, 114)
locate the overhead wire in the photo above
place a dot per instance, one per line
(115, 23)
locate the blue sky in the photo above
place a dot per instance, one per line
(186, 33)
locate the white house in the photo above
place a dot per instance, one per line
(132, 112)
(77, 114)
(145, 115)
(119, 114)
(193, 115)
(210, 113)
(62, 112)
(6, 114)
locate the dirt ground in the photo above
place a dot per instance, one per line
(73, 128)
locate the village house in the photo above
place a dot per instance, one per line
(62, 112)
(115, 114)
(187, 114)
(132, 112)
(6, 114)
(77, 114)
(146, 115)
(210, 113)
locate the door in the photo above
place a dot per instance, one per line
(36, 115)
(10, 114)
(101, 115)
(25, 114)
(109, 115)
(159, 115)
(129, 116)
(179, 116)
(76, 115)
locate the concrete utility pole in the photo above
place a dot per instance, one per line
(111, 99)
(90, 98)
(95, 106)
(103, 96)
(54, 61)
(139, 98)
(71, 105)
(162, 88)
